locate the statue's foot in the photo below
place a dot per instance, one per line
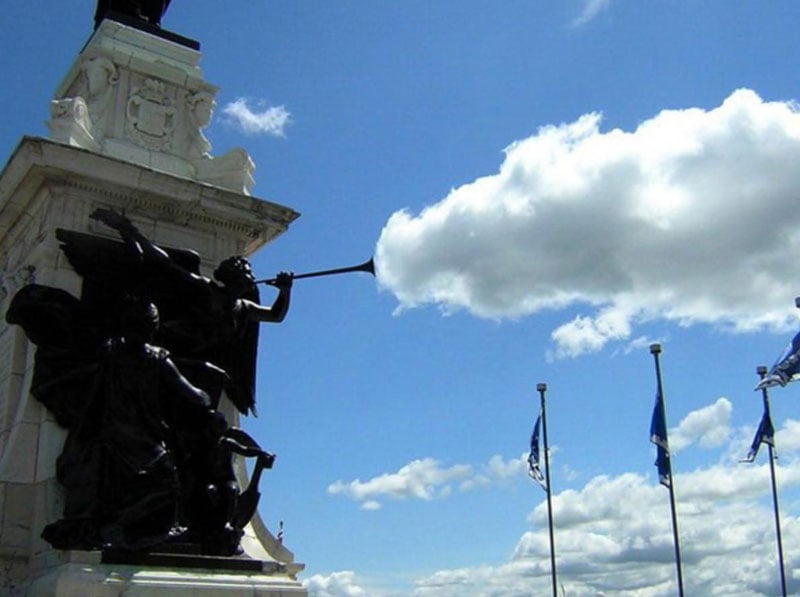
(225, 542)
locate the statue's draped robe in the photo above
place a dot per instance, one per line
(120, 410)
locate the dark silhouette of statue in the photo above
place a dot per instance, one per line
(203, 319)
(148, 457)
(149, 11)
(117, 466)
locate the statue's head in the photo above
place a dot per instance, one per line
(100, 73)
(140, 320)
(235, 272)
(202, 106)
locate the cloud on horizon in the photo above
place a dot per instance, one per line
(427, 479)
(337, 584)
(614, 533)
(687, 219)
(264, 120)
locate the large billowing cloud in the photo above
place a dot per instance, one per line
(692, 217)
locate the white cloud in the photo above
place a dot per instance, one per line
(584, 334)
(638, 344)
(423, 479)
(426, 479)
(591, 8)
(688, 218)
(271, 121)
(615, 536)
(708, 427)
(500, 469)
(614, 533)
(788, 437)
(338, 584)
(496, 470)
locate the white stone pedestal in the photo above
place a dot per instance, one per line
(83, 575)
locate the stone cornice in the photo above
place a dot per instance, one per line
(37, 161)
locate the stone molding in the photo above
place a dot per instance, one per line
(133, 188)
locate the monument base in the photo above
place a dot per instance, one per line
(83, 573)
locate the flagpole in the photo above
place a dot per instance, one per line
(762, 372)
(655, 350)
(542, 388)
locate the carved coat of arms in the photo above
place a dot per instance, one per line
(151, 115)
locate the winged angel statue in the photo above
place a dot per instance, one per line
(135, 370)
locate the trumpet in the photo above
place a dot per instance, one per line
(368, 266)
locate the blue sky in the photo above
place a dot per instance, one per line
(548, 188)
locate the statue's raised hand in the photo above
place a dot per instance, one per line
(112, 219)
(283, 280)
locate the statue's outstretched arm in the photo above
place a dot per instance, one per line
(129, 233)
(140, 244)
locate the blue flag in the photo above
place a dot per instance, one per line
(534, 470)
(658, 435)
(786, 368)
(765, 434)
(662, 463)
(658, 425)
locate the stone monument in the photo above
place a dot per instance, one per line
(125, 138)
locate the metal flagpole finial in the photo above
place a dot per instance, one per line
(655, 348)
(761, 370)
(541, 387)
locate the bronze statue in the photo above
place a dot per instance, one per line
(149, 11)
(121, 406)
(207, 320)
(148, 455)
